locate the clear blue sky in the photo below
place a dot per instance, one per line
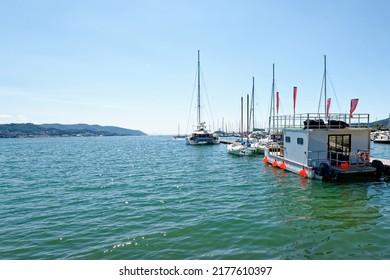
(133, 63)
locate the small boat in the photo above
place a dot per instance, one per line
(382, 137)
(179, 136)
(201, 135)
(243, 147)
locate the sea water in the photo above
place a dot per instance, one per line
(157, 198)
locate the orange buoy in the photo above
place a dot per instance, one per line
(275, 163)
(265, 159)
(344, 165)
(282, 165)
(302, 172)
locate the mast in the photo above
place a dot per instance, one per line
(272, 107)
(242, 117)
(325, 85)
(247, 115)
(198, 107)
(253, 104)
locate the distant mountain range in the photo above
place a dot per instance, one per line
(25, 130)
(381, 123)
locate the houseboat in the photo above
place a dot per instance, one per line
(327, 150)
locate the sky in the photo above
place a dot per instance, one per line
(133, 63)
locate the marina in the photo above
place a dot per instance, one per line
(133, 198)
(144, 140)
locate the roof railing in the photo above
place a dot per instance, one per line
(318, 120)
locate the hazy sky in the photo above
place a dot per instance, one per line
(133, 63)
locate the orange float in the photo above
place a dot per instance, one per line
(275, 163)
(302, 172)
(282, 165)
(344, 165)
(265, 159)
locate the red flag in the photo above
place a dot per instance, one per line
(277, 102)
(328, 106)
(354, 103)
(295, 97)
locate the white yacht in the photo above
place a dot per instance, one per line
(201, 135)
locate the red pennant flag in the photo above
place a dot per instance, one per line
(354, 103)
(295, 97)
(277, 102)
(328, 106)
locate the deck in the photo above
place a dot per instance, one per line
(354, 169)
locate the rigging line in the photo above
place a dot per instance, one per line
(207, 96)
(192, 99)
(334, 91)
(322, 88)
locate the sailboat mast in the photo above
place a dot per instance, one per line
(248, 122)
(253, 104)
(325, 86)
(242, 117)
(198, 107)
(272, 107)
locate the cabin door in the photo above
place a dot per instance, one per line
(339, 148)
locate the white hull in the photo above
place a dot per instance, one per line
(202, 138)
(382, 138)
(240, 150)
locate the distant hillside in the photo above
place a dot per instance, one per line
(119, 131)
(24, 130)
(381, 124)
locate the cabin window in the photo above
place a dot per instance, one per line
(339, 148)
(300, 141)
(288, 139)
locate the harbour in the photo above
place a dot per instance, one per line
(148, 198)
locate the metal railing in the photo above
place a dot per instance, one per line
(318, 120)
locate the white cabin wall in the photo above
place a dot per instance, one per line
(318, 146)
(360, 140)
(315, 145)
(293, 151)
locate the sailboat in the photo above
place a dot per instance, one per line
(201, 135)
(242, 147)
(179, 136)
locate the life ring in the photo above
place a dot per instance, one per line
(364, 156)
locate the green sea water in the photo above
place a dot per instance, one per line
(156, 198)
